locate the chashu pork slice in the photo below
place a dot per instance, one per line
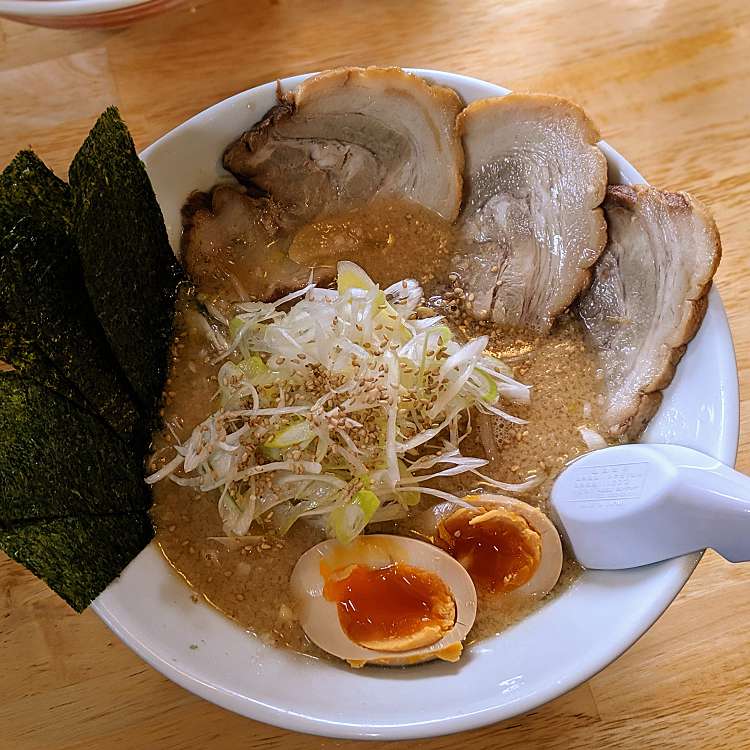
(349, 134)
(648, 297)
(230, 236)
(531, 223)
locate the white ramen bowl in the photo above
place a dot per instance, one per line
(562, 644)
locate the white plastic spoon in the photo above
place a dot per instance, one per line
(631, 505)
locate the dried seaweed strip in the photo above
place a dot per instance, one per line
(44, 307)
(120, 233)
(78, 556)
(20, 353)
(57, 460)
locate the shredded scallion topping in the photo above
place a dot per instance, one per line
(340, 406)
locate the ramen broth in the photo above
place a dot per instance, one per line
(247, 578)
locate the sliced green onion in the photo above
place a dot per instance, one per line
(253, 367)
(275, 454)
(349, 520)
(296, 433)
(443, 332)
(407, 498)
(348, 386)
(351, 276)
(489, 390)
(235, 326)
(368, 501)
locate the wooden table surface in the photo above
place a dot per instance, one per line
(668, 83)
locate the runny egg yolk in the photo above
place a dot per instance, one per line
(497, 547)
(394, 608)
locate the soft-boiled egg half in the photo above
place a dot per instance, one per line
(384, 599)
(506, 545)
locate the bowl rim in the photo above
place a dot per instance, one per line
(66, 8)
(681, 568)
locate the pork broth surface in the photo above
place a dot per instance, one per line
(247, 578)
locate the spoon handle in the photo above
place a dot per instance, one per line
(716, 500)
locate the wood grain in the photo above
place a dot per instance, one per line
(667, 82)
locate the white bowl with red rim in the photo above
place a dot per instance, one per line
(64, 14)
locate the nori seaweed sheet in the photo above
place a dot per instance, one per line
(57, 460)
(20, 352)
(29, 188)
(120, 230)
(87, 291)
(43, 298)
(42, 292)
(78, 556)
